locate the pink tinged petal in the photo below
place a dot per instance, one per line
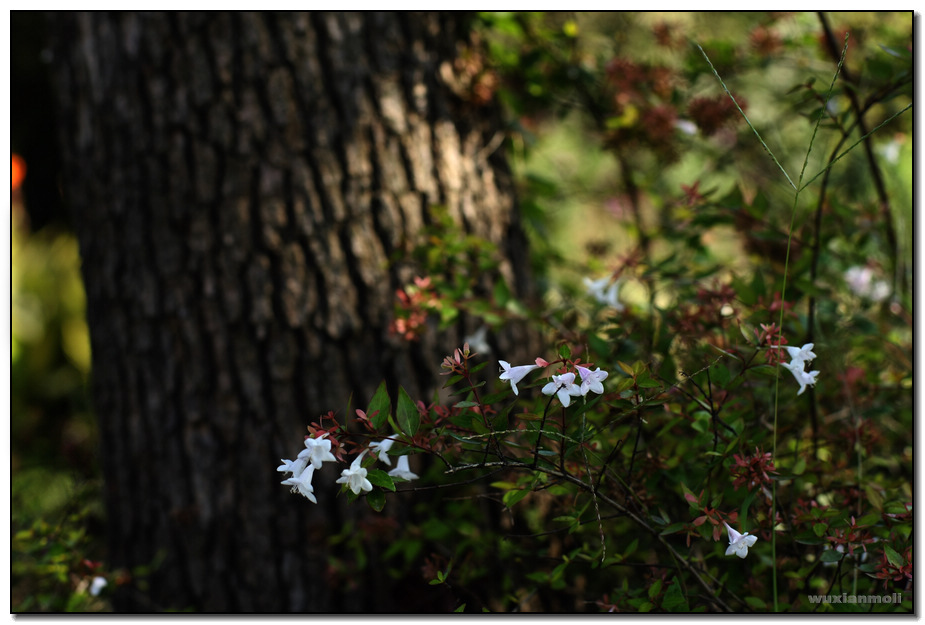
(733, 535)
(514, 374)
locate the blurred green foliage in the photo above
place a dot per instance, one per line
(56, 510)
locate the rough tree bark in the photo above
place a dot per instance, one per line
(239, 184)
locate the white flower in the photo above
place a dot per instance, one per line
(802, 355)
(805, 378)
(861, 281)
(607, 295)
(302, 483)
(403, 470)
(293, 466)
(596, 287)
(355, 476)
(564, 388)
(514, 374)
(317, 450)
(98, 584)
(382, 447)
(477, 342)
(738, 543)
(591, 380)
(686, 126)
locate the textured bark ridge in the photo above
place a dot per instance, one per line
(241, 185)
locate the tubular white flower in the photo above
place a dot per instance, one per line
(355, 476)
(98, 584)
(381, 448)
(739, 543)
(591, 380)
(478, 342)
(302, 483)
(804, 378)
(605, 291)
(403, 470)
(514, 374)
(317, 450)
(564, 387)
(802, 355)
(293, 466)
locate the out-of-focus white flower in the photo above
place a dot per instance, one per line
(686, 126)
(591, 380)
(382, 448)
(890, 151)
(803, 377)
(317, 450)
(478, 342)
(564, 387)
(861, 281)
(514, 374)
(738, 543)
(355, 476)
(98, 584)
(302, 483)
(403, 470)
(605, 291)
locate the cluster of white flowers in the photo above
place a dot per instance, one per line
(318, 450)
(797, 366)
(562, 386)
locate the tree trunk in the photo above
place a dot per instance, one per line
(241, 185)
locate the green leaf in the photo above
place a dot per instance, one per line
(380, 478)
(819, 529)
(720, 375)
(453, 380)
(513, 496)
(674, 600)
(894, 558)
(465, 404)
(409, 419)
(628, 370)
(655, 588)
(766, 370)
(461, 608)
(381, 405)
(672, 529)
(831, 555)
(755, 602)
(630, 548)
(565, 351)
(376, 499)
(874, 496)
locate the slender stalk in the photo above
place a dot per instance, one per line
(750, 125)
(796, 197)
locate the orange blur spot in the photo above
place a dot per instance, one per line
(19, 171)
